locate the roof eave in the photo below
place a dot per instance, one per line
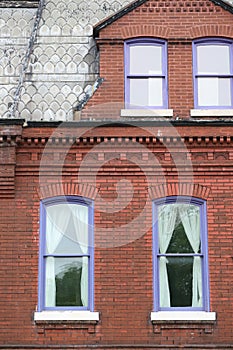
(224, 4)
(116, 16)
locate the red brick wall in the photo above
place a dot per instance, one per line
(178, 22)
(123, 254)
(123, 235)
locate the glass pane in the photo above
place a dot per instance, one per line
(213, 59)
(67, 246)
(145, 59)
(66, 229)
(179, 228)
(179, 242)
(180, 276)
(214, 92)
(66, 287)
(146, 92)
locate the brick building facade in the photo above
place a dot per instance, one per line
(127, 174)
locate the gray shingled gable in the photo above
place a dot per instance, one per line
(225, 4)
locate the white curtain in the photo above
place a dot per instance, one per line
(167, 220)
(57, 219)
(80, 219)
(190, 217)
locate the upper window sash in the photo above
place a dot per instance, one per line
(203, 254)
(213, 73)
(43, 254)
(145, 73)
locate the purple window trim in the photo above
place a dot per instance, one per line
(204, 251)
(41, 278)
(209, 41)
(141, 42)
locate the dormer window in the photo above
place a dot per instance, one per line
(145, 73)
(213, 73)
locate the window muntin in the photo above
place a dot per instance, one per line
(66, 254)
(145, 74)
(213, 73)
(180, 255)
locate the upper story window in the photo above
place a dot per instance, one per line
(146, 73)
(180, 255)
(66, 254)
(213, 73)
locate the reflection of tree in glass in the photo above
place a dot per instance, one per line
(180, 269)
(68, 289)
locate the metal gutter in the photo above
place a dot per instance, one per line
(133, 123)
(19, 3)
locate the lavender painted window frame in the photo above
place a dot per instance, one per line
(204, 251)
(211, 41)
(140, 42)
(41, 278)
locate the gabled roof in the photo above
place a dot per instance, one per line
(225, 4)
(130, 7)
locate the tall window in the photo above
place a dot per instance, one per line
(180, 254)
(145, 73)
(213, 73)
(66, 254)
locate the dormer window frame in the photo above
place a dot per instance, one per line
(129, 77)
(211, 75)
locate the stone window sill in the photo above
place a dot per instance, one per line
(179, 316)
(211, 112)
(146, 113)
(66, 316)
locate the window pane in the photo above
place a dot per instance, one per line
(145, 59)
(67, 229)
(179, 242)
(146, 92)
(180, 276)
(214, 92)
(213, 59)
(179, 228)
(66, 281)
(179, 233)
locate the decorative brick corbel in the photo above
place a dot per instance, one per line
(10, 135)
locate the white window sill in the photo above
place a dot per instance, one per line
(46, 316)
(183, 316)
(146, 113)
(211, 112)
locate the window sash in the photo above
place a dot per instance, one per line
(146, 93)
(89, 254)
(150, 75)
(65, 265)
(183, 291)
(203, 254)
(219, 91)
(198, 98)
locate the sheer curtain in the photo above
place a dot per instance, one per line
(57, 219)
(190, 217)
(167, 220)
(80, 219)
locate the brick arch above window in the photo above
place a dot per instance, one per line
(142, 30)
(179, 189)
(67, 189)
(210, 30)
